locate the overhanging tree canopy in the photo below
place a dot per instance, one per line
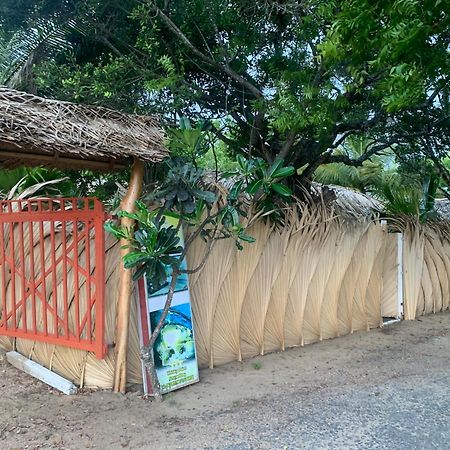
(276, 79)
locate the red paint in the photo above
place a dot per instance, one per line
(29, 268)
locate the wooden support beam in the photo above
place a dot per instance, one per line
(125, 282)
(18, 158)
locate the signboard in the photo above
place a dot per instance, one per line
(174, 351)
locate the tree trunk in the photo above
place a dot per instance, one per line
(125, 282)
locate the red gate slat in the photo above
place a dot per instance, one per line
(12, 271)
(76, 273)
(42, 273)
(32, 276)
(22, 279)
(64, 279)
(3, 279)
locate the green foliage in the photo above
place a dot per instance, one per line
(409, 197)
(25, 182)
(106, 187)
(189, 142)
(185, 195)
(217, 158)
(185, 192)
(43, 182)
(199, 145)
(261, 181)
(403, 187)
(320, 68)
(26, 48)
(364, 177)
(154, 246)
(9, 178)
(398, 47)
(281, 80)
(182, 187)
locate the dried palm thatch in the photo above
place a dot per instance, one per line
(426, 271)
(39, 132)
(316, 277)
(299, 283)
(350, 205)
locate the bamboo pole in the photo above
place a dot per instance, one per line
(125, 282)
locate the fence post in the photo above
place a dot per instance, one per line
(400, 292)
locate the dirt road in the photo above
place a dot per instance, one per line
(386, 388)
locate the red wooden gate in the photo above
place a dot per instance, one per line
(52, 271)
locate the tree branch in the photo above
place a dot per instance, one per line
(223, 67)
(287, 145)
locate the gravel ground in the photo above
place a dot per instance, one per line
(386, 388)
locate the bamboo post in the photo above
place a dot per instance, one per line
(125, 282)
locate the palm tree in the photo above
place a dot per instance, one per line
(21, 51)
(365, 177)
(401, 192)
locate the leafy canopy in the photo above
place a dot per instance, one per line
(289, 80)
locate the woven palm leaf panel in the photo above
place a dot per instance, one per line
(247, 303)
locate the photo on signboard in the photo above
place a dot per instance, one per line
(175, 342)
(174, 350)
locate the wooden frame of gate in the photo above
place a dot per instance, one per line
(52, 271)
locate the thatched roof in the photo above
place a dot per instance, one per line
(351, 204)
(42, 132)
(442, 206)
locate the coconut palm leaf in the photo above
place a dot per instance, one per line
(25, 48)
(364, 177)
(26, 182)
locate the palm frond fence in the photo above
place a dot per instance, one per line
(316, 277)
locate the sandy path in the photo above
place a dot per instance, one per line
(388, 387)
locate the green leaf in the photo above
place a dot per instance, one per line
(235, 216)
(133, 259)
(283, 172)
(207, 196)
(185, 124)
(281, 189)
(246, 238)
(277, 165)
(254, 186)
(241, 161)
(139, 273)
(235, 190)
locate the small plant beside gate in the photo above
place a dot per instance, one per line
(205, 210)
